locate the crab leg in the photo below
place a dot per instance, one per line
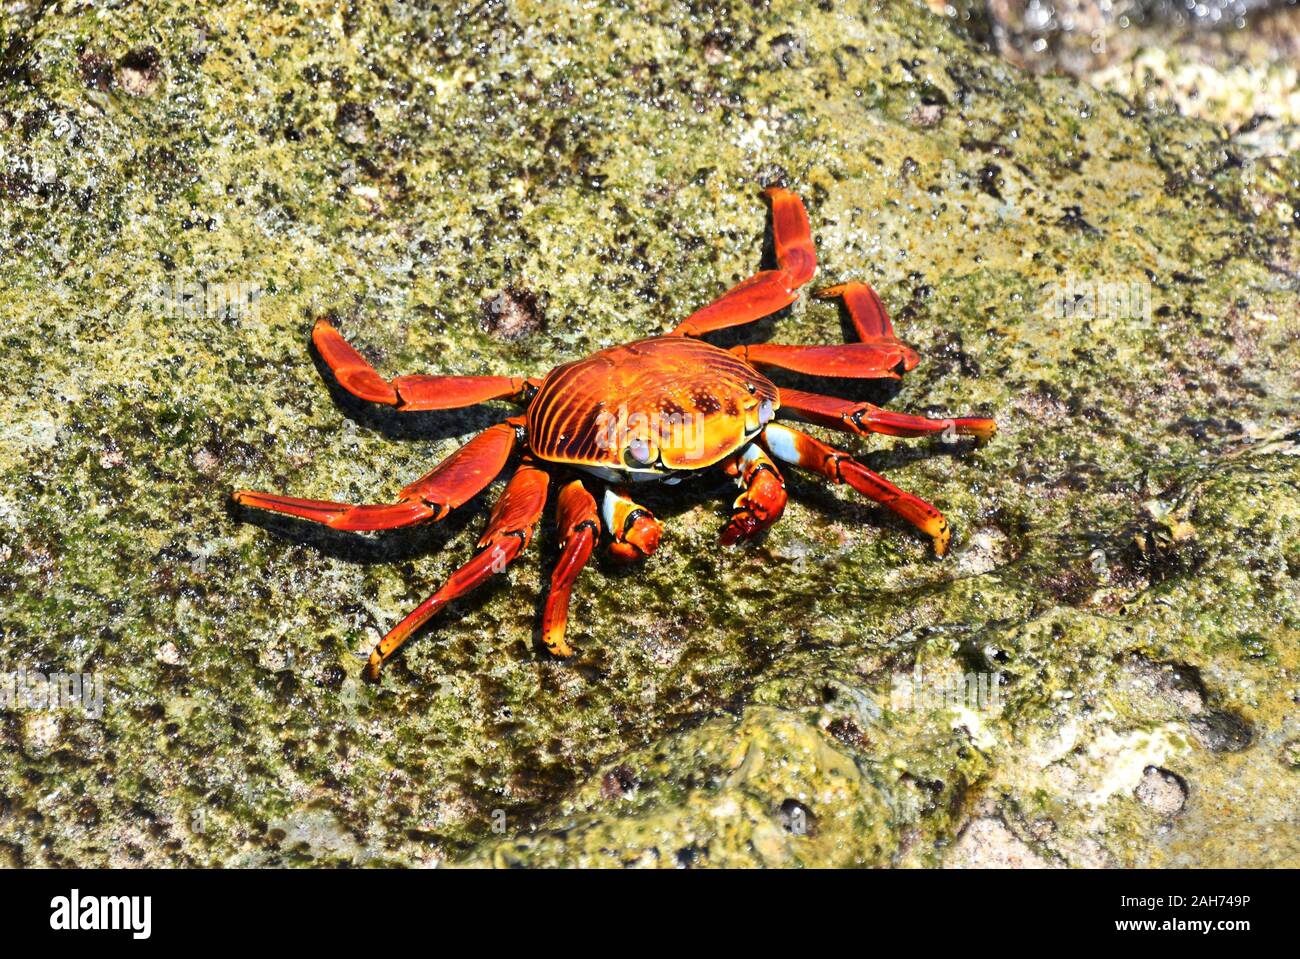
(577, 518)
(407, 393)
(838, 466)
(877, 354)
(770, 290)
(866, 311)
(880, 359)
(762, 498)
(634, 529)
(510, 528)
(448, 485)
(865, 418)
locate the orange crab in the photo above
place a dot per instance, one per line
(657, 409)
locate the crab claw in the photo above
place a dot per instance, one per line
(640, 538)
(761, 502)
(634, 531)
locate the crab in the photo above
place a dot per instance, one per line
(658, 409)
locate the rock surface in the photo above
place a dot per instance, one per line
(181, 195)
(1161, 791)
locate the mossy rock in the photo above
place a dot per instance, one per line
(184, 189)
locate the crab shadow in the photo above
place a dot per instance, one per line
(393, 545)
(385, 548)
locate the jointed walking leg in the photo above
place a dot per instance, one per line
(510, 529)
(448, 485)
(791, 446)
(579, 527)
(770, 290)
(407, 393)
(865, 418)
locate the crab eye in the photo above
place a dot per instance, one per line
(751, 387)
(639, 450)
(764, 412)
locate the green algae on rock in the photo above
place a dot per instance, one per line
(181, 195)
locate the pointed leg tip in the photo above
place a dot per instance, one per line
(247, 498)
(554, 623)
(322, 328)
(982, 430)
(373, 668)
(559, 648)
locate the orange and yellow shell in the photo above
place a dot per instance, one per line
(653, 406)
